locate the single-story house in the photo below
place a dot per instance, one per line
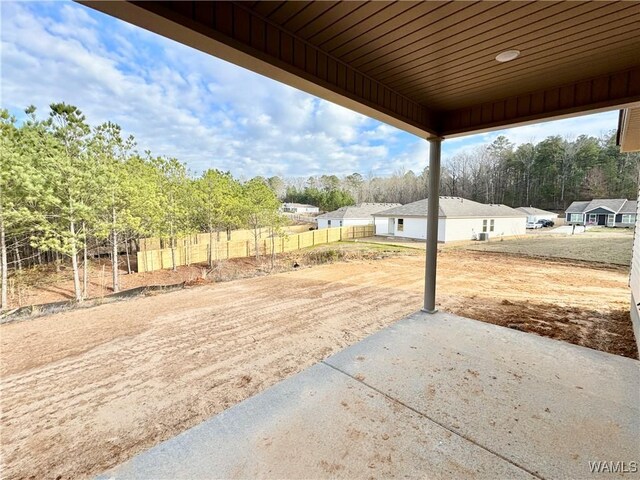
(534, 214)
(360, 214)
(458, 219)
(299, 208)
(616, 212)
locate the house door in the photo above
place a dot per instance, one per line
(391, 227)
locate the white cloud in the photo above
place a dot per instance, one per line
(180, 102)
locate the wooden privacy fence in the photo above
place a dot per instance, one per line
(150, 260)
(155, 243)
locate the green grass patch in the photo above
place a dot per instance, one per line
(610, 249)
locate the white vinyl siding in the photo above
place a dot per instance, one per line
(384, 226)
(634, 281)
(466, 228)
(535, 218)
(347, 222)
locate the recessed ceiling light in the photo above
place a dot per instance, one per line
(508, 55)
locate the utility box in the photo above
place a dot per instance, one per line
(483, 236)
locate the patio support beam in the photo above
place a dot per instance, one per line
(433, 209)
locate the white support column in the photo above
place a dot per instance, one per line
(432, 226)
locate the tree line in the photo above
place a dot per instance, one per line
(549, 174)
(67, 189)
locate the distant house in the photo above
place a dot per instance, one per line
(458, 219)
(361, 214)
(534, 214)
(299, 208)
(617, 212)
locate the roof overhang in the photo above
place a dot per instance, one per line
(596, 208)
(426, 67)
(629, 129)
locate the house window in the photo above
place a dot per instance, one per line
(484, 225)
(401, 224)
(593, 218)
(340, 222)
(576, 217)
(492, 225)
(628, 218)
(611, 220)
(328, 223)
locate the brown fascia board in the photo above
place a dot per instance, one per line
(235, 33)
(603, 93)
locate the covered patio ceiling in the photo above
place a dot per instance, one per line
(429, 68)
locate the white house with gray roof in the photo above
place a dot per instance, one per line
(299, 208)
(458, 219)
(609, 212)
(360, 214)
(534, 214)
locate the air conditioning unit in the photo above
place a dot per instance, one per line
(483, 236)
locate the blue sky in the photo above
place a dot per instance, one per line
(179, 102)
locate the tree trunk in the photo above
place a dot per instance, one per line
(273, 249)
(126, 246)
(255, 240)
(210, 247)
(173, 255)
(16, 252)
(85, 268)
(3, 263)
(114, 252)
(74, 262)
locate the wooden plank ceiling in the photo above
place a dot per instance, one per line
(427, 67)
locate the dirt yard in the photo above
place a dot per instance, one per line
(86, 389)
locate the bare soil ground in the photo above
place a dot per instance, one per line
(86, 389)
(45, 284)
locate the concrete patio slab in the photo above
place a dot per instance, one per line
(433, 396)
(547, 406)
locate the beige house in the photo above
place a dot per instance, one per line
(352, 215)
(458, 219)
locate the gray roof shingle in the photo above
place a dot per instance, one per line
(616, 205)
(452, 207)
(361, 210)
(631, 206)
(534, 211)
(577, 207)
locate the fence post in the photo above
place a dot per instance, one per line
(314, 238)
(227, 250)
(248, 249)
(299, 235)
